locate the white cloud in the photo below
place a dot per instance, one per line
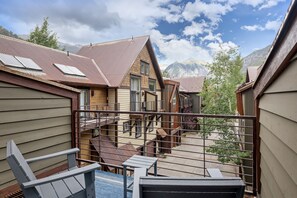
(195, 29)
(212, 11)
(270, 3)
(225, 46)
(212, 37)
(269, 25)
(251, 27)
(176, 49)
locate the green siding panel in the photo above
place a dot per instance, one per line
(283, 104)
(18, 127)
(32, 104)
(7, 117)
(21, 93)
(273, 170)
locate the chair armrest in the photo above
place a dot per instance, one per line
(60, 176)
(66, 152)
(214, 172)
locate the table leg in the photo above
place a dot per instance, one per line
(125, 181)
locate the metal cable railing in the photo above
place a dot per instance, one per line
(213, 141)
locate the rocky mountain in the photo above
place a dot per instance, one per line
(256, 58)
(185, 69)
(6, 32)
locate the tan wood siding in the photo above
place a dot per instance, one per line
(98, 99)
(278, 123)
(135, 69)
(40, 123)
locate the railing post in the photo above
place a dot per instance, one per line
(203, 128)
(99, 131)
(144, 136)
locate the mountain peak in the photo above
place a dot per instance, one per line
(188, 68)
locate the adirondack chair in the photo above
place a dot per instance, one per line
(77, 182)
(175, 187)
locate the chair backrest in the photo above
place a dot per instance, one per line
(18, 164)
(174, 187)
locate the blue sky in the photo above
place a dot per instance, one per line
(180, 30)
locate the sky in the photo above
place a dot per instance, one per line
(179, 30)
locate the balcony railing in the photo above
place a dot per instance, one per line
(147, 106)
(185, 144)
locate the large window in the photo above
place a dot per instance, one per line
(138, 128)
(84, 101)
(135, 93)
(152, 85)
(144, 68)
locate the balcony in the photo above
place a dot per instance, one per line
(92, 120)
(185, 144)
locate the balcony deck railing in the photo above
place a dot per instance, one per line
(185, 144)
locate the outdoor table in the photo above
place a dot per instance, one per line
(137, 161)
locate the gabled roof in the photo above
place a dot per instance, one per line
(282, 51)
(115, 58)
(251, 74)
(45, 57)
(191, 84)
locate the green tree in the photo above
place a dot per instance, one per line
(219, 98)
(43, 36)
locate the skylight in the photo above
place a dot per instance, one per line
(70, 70)
(28, 63)
(9, 60)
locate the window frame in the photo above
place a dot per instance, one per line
(138, 128)
(126, 126)
(155, 84)
(144, 68)
(137, 92)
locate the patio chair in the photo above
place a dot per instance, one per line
(175, 187)
(77, 182)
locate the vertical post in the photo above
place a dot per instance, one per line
(99, 139)
(255, 153)
(145, 136)
(204, 168)
(125, 181)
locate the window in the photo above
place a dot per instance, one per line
(126, 126)
(138, 129)
(144, 68)
(152, 85)
(135, 93)
(84, 101)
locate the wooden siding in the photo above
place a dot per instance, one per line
(278, 137)
(124, 100)
(40, 123)
(99, 98)
(135, 69)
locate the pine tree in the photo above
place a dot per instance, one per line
(43, 36)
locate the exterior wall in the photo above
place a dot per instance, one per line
(278, 137)
(135, 69)
(124, 98)
(85, 148)
(98, 99)
(38, 122)
(196, 103)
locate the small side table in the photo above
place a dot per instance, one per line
(137, 161)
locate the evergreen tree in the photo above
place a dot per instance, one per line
(43, 36)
